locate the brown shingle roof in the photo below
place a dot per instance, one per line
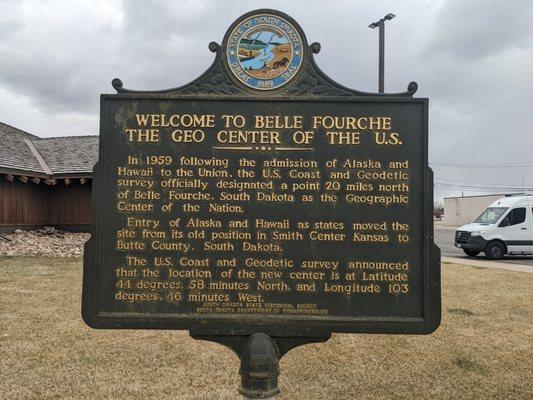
(69, 154)
(14, 152)
(64, 155)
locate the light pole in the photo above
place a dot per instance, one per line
(381, 25)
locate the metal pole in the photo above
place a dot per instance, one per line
(381, 70)
(259, 368)
(260, 355)
(382, 57)
(249, 398)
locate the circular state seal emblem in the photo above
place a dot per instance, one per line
(264, 51)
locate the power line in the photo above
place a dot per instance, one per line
(477, 190)
(477, 183)
(460, 165)
(490, 188)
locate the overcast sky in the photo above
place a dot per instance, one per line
(473, 59)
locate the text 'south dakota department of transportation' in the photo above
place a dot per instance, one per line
(310, 213)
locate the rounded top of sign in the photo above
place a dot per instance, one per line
(264, 49)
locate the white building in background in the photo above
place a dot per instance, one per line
(465, 209)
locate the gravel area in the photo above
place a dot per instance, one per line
(47, 242)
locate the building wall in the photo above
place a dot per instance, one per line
(29, 204)
(463, 210)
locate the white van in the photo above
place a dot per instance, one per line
(505, 227)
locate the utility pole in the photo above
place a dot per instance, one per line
(381, 25)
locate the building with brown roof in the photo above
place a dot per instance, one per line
(45, 181)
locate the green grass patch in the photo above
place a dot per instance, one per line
(460, 311)
(469, 365)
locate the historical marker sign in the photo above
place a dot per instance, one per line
(263, 197)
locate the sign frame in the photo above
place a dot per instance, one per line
(311, 85)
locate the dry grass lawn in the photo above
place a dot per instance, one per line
(481, 351)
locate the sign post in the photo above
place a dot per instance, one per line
(263, 206)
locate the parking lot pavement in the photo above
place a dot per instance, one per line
(444, 238)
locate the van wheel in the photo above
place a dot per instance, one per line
(471, 253)
(495, 250)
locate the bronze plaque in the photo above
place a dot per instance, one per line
(261, 198)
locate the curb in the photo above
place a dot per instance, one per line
(487, 264)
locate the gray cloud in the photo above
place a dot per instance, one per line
(473, 59)
(470, 30)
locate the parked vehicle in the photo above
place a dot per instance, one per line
(505, 227)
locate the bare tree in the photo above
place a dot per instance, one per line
(438, 209)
